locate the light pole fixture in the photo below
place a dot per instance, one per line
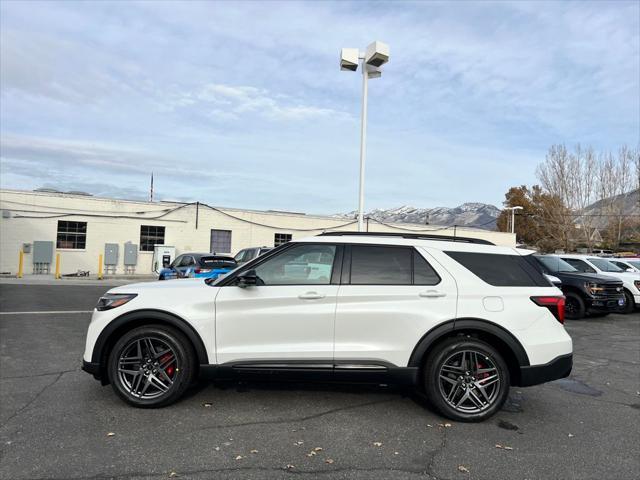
(513, 216)
(374, 56)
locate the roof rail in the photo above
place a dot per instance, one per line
(417, 236)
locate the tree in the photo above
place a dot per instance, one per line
(539, 223)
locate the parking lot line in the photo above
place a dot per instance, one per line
(46, 312)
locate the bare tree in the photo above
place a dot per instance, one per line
(572, 177)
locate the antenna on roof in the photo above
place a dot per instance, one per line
(151, 190)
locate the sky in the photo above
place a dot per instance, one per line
(243, 104)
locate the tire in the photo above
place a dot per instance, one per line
(574, 307)
(157, 383)
(441, 394)
(630, 303)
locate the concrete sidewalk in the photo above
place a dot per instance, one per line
(90, 280)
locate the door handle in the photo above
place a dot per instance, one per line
(432, 294)
(311, 296)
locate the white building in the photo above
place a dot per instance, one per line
(79, 226)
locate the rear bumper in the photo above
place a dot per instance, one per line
(559, 367)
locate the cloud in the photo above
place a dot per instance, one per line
(221, 98)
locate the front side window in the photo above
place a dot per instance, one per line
(300, 265)
(281, 238)
(150, 236)
(580, 265)
(377, 265)
(71, 235)
(555, 264)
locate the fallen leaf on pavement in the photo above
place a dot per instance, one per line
(217, 449)
(110, 434)
(311, 453)
(173, 474)
(498, 445)
(463, 469)
(239, 457)
(207, 405)
(254, 451)
(377, 444)
(329, 461)
(289, 466)
(447, 425)
(318, 449)
(508, 448)
(571, 435)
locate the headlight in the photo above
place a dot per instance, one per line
(113, 300)
(594, 288)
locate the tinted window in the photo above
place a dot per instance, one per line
(501, 270)
(423, 274)
(555, 264)
(299, 265)
(635, 263)
(373, 265)
(580, 265)
(605, 265)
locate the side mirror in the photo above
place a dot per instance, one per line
(247, 278)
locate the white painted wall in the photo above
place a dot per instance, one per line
(103, 226)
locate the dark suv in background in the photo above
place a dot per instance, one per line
(586, 293)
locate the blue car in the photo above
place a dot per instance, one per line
(198, 265)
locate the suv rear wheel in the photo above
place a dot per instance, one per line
(466, 379)
(151, 366)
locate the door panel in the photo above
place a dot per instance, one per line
(288, 314)
(385, 322)
(273, 322)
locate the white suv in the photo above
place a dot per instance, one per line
(460, 319)
(605, 266)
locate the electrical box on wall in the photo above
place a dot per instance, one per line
(42, 251)
(111, 254)
(130, 254)
(26, 248)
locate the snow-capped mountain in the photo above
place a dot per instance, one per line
(479, 215)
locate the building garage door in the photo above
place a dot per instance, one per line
(221, 241)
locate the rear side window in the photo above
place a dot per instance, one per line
(379, 265)
(501, 270)
(423, 273)
(372, 265)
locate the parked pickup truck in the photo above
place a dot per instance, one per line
(586, 293)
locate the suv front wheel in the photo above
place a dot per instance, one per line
(466, 379)
(151, 366)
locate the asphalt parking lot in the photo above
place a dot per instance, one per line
(59, 423)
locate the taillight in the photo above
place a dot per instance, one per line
(197, 270)
(555, 304)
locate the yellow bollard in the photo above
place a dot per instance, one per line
(58, 276)
(100, 267)
(20, 263)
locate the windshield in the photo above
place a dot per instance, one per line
(605, 265)
(634, 263)
(555, 264)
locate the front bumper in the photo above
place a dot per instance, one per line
(559, 367)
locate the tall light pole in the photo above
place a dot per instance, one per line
(375, 55)
(513, 216)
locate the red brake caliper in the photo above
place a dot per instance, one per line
(483, 374)
(170, 369)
